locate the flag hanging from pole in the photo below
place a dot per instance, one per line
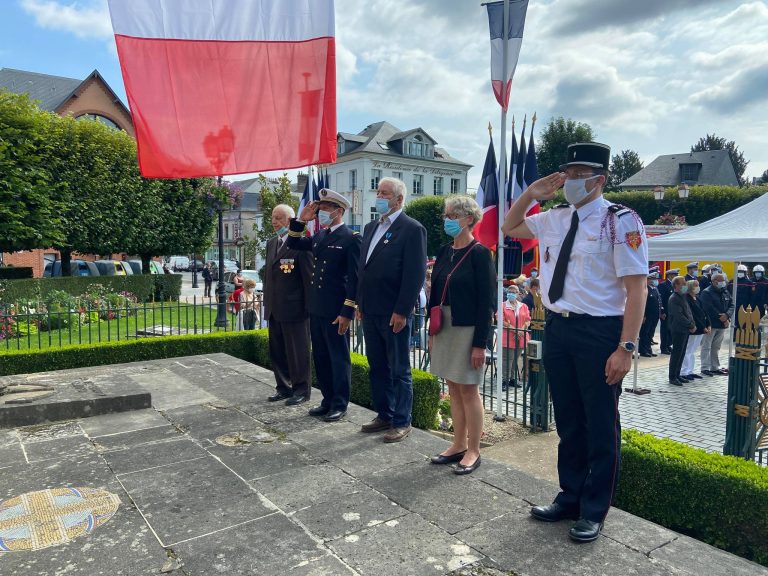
(228, 86)
(513, 168)
(307, 197)
(487, 231)
(517, 11)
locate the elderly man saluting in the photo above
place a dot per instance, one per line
(393, 263)
(593, 282)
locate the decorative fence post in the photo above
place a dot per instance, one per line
(743, 386)
(537, 377)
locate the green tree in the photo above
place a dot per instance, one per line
(554, 141)
(623, 165)
(764, 177)
(429, 212)
(714, 142)
(270, 197)
(29, 206)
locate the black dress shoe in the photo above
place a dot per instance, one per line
(686, 377)
(698, 376)
(554, 513)
(334, 416)
(449, 459)
(707, 372)
(675, 382)
(646, 355)
(279, 396)
(667, 352)
(585, 530)
(462, 469)
(318, 411)
(296, 400)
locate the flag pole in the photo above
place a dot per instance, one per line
(499, 417)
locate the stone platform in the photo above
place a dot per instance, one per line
(213, 479)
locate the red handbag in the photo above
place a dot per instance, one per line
(436, 312)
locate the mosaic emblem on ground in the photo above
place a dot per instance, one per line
(37, 520)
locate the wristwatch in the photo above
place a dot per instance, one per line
(628, 346)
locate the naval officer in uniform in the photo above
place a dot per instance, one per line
(332, 305)
(594, 263)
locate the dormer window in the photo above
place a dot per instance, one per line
(418, 147)
(689, 172)
(340, 146)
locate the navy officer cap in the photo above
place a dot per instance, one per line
(592, 154)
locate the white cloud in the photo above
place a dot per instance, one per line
(84, 21)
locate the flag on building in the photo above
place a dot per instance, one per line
(226, 87)
(514, 34)
(487, 231)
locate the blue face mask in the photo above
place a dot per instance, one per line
(721, 285)
(654, 283)
(282, 231)
(684, 289)
(451, 227)
(382, 206)
(324, 217)
(534, 274)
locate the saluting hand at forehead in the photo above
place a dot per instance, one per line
(546, 187)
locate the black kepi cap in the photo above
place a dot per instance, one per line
(592, 154)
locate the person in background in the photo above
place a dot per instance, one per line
(706, 276)
(744, 285)
(238, 279)
(463, 282)
(760, 290)
(681, 324)
(534, 288)
(208, 280)
(717, 302)
(692, 271)
(517, 318)
(651, 317)
(248, 315)
(665, 291)
(703, 326)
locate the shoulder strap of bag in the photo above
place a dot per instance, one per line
(448, 279)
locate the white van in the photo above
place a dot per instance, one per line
(178, 263)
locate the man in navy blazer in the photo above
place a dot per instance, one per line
(393, 262)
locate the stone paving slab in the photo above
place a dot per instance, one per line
(320, 499)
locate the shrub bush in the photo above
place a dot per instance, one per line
(721, 500)
(252, 346)
(14, 272)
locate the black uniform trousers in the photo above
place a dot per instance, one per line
(289, 354)
(679, 343)
(647, 330)
(666, 340)
(333, 365)
(576, 350)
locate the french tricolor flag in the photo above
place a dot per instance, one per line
(512, 37)
(221, 87)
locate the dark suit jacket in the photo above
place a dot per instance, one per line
(680, 317)
(716, 302)
(286, 288)
(665, 291)
(337, 259)
(391, 279)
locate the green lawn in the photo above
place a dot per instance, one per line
(176, 316)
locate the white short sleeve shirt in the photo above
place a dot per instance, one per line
(607, 247)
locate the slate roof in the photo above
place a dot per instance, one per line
(51, 91)
(716, 168)
(382, 133)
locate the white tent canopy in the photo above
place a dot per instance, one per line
(739, 235)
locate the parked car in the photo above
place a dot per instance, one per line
(229, 280)
(178, 263)
(231, 265)
(198, 265)
(76, 267)
(112, 267)
(154, 267)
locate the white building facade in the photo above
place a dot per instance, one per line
(382, 150)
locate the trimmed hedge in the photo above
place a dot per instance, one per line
(251, 346)
(15, 272)
(144, 286)
(721, 500)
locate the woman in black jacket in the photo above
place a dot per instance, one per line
(457, 352)
(703, 326)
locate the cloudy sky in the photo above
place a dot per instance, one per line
(652, 76)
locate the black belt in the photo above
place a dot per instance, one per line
(576, 315)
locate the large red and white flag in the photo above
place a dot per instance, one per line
(228, 86)
(513, 37)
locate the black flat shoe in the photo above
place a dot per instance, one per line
(296, 400)
(554, 513)
(279, 396)
(461, 469)
(698, 376)
(646, 355)
(318, 411)
(449, 459)
(334, 416)
(676, 382)
(585, 530)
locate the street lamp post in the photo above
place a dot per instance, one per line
(194, 271)
(240, 243)
(682, 193)
(221, 295)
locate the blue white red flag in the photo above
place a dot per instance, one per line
(487, 231)
(307, 197)
(228, 86)
(514, 34)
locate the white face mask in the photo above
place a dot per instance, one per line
(576, 189)
(324, 217)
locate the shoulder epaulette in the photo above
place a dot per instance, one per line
(618, 210)
(355, 233)
(564, 205)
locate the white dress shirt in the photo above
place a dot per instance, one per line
(381, 229)
(599, 257)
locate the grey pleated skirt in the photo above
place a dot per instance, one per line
(451, 353)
